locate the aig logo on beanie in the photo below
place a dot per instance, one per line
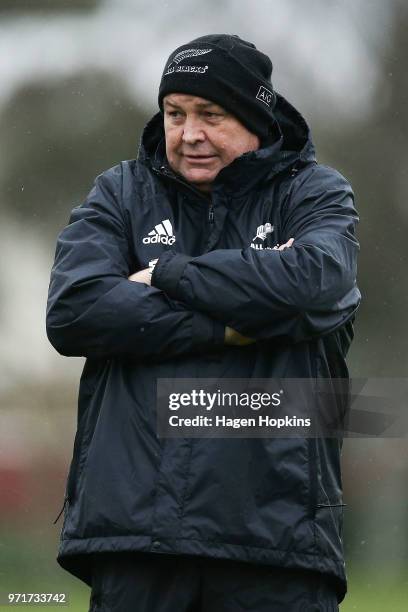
(227, 70)
(265, 95)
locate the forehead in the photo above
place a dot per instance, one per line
(187, 101)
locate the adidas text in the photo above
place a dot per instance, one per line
(159, 239)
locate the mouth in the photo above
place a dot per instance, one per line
(198, 159)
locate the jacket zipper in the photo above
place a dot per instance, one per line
(164, 171)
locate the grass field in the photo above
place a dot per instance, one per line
(368, 592)
(28, 565)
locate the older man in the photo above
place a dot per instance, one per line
(224, 251)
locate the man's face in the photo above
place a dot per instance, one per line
(202, 138)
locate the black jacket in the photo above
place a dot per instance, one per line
(269, 501)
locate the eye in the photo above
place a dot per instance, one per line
(174, 115)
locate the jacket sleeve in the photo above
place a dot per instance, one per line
(93, 310)
(301, 292)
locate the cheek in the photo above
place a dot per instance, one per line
(172, 141)
(222, 144)
(229, 145)
(235, 146)
(227, 152)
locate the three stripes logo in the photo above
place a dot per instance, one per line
(162, 233)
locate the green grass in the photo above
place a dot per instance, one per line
(375, 591)
(368, 592)
(28, 565)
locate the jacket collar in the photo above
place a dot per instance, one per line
(293, 145)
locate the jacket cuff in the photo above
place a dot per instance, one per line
(168, 272)
(207, 332)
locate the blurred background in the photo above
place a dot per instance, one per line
(78, 80)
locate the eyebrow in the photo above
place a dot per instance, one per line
(200, 104)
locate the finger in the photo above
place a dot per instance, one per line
(286, 245)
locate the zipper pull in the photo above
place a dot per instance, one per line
(167, 172)
(211, 214)
(62, 509)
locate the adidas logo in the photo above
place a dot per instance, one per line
(262, 231)
(162, 233)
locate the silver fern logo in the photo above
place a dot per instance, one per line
(188, 53)
(179, 57)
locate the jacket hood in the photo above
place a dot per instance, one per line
(293, 145)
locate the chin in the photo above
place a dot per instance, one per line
(200, 178)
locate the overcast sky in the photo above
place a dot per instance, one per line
(321, 49)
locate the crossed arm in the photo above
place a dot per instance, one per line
(98, 307)
(231, 336)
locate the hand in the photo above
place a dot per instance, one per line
(282, 247)
(143, 276)
(234, 338)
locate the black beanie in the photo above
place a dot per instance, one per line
(227, 70)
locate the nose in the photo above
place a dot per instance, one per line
(193, 132)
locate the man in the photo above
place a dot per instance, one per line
(225, 250)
